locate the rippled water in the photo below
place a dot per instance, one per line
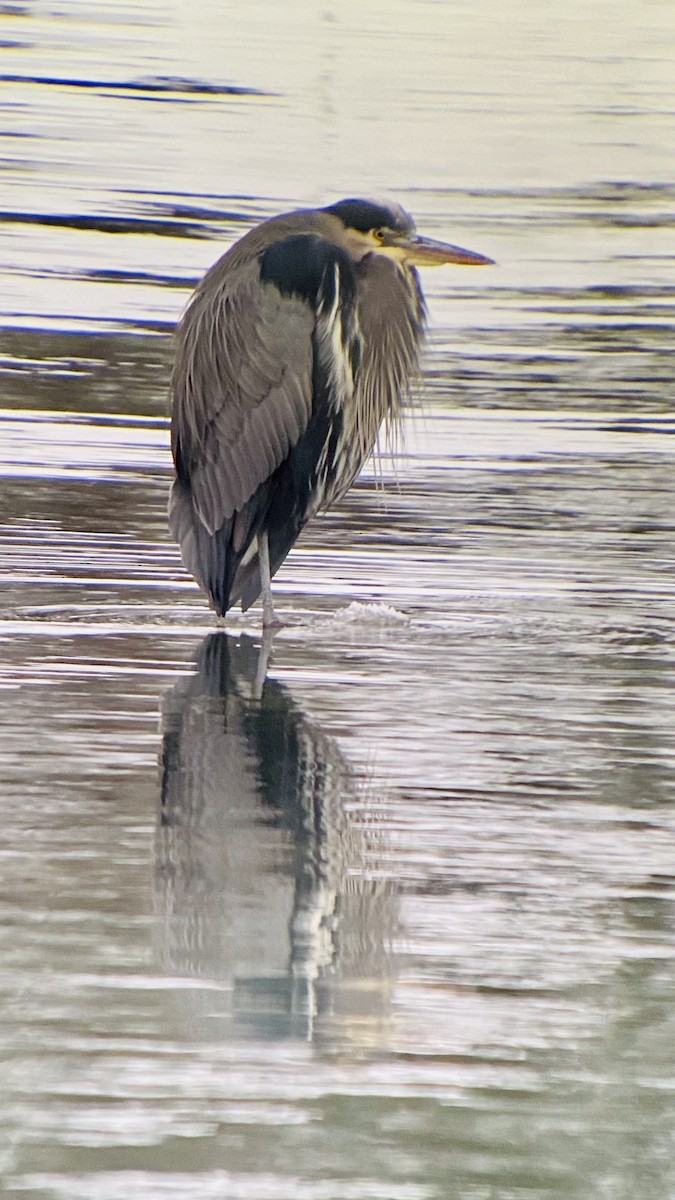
(397, 922)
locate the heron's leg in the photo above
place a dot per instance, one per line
(269, 617)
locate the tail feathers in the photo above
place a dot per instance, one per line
(225, 564)
(247, 584)
(208, 557)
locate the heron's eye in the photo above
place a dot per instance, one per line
(379, 235)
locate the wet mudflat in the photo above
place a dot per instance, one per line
(401, 923)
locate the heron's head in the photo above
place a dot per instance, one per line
(387, 229)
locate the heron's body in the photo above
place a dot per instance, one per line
(295, 348)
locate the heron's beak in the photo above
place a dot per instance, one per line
(425, 252)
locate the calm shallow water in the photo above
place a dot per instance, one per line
(402, 925)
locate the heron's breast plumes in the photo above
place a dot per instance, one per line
(376, 357)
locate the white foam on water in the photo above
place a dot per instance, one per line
(376, 613)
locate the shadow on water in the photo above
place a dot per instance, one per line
(270, 880)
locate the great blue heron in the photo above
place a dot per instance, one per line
(295, 347)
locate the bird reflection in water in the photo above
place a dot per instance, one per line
(269, 862)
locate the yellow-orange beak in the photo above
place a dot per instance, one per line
(425, 252)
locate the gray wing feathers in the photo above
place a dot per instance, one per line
(199, 552)
(242, 390)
